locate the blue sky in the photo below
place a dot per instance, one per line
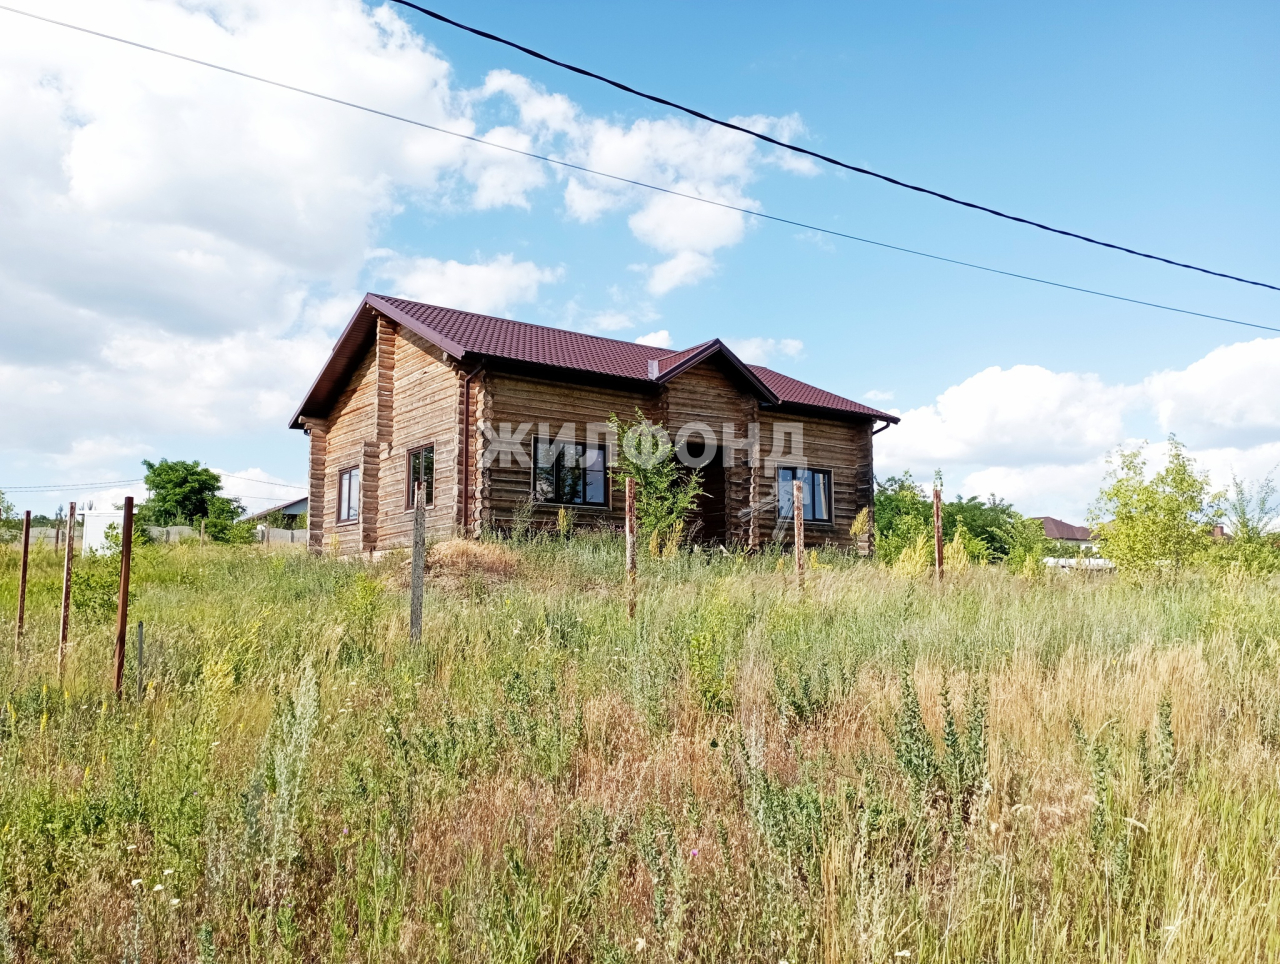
(191, 243)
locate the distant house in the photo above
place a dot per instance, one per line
(1064, 531)
(493, 418)
(290, 510)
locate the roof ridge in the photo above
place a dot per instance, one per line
(528, 324)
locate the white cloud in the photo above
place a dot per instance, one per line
(656, 339)
(191, 241)
(876, 395)
(611, 321)
(1230, 395)
(259, 489)
(1040, 438)
(686, 268)
(491, 286)
(761, 351)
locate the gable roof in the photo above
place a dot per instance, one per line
(465, 336)
(1057, 529)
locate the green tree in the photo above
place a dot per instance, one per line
(9, 526)
(989, 531)
(1146, 524)
(666, 491)
(1251, 511)
(183, 492)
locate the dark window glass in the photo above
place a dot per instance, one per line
(422, 470)
(817, 493)
(570, 474)
(348, 495)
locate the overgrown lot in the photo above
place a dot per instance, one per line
(1054, 767)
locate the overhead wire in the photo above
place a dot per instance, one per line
(625, 180)
(760, 135)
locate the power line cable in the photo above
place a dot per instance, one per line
(59, 488)
(814, 154)
(245, 478)
(635, 183)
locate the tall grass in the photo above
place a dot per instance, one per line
(1060, 768)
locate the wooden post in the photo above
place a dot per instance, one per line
(139, 660)
(797, 513)
(22, 579)
(419, 564)
(937, 530)
(66, 589)
(122, 605)
(629, 527)
(202, 532)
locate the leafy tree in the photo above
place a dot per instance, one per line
(183, 492)
(989, 531)
(1153, 523)
(666, 491)
(1251, 511)
(9, 526)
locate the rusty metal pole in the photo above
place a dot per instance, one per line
(66, 589)
(797, 513)
(419, 564)
(122, 606)
(140, 661)
(629, 527)
(937, 530)
(22, 579)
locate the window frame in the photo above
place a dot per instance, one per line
(557, 467)
(830, 493)
(353, 499)
(408, 475)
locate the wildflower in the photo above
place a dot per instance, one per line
(157, 887)
(640, 945)
(175, 902)
(693, 853)
(902, 954)
(345, 831)
(135, 882)
(132, 846)
(215, 743)
(168, 872)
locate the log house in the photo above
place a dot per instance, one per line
(418, 393)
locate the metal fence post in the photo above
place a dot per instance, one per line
(629, 528)
(122, 606)
(937, 530)
(797, 512)
(419, 564)
(66, 589)
(22, 580)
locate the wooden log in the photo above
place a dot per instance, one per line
(66, 589)
(122, 606)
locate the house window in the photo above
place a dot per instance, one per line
(570, 474)
(817, 493)
(422, 470)
(349, 495)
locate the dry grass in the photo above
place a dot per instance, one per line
(733, 776)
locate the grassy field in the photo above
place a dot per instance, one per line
(1007, 768)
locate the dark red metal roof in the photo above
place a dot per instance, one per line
(464, 334)
(1057, 529)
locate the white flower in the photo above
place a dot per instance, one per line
(640, 943)
(132, 846)
(168, 872)
(157, 887)
(135, 882)
(902, 954)
(175, 902)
